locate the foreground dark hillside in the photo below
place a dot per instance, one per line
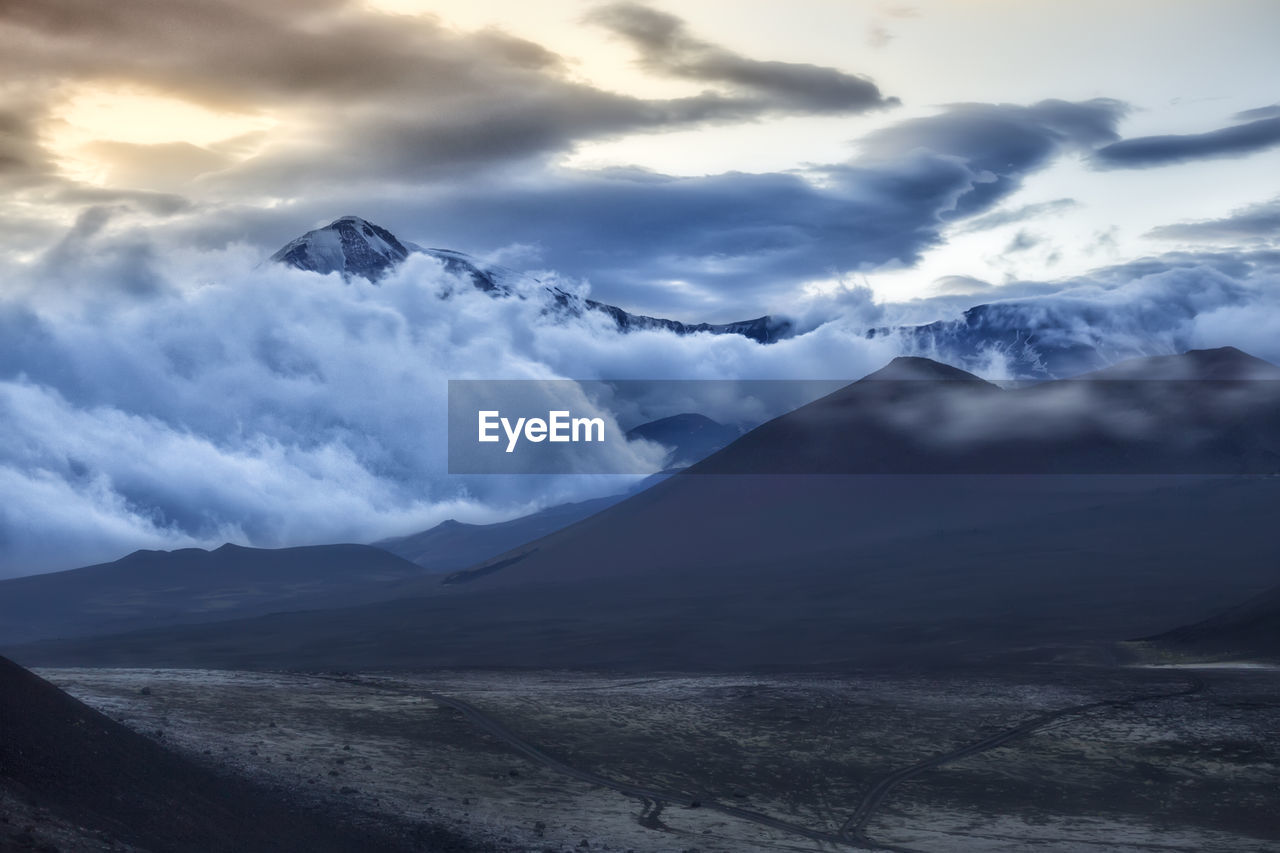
(82, 769)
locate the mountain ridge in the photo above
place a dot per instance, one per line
(355, 247)
(814, 566)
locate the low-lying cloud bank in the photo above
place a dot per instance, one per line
(170, 398)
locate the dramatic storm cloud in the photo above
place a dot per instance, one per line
(632, 232)
(369, 96)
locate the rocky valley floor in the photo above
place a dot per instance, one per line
(1047, 758)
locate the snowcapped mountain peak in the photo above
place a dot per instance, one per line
(349, 245)
(356, 247)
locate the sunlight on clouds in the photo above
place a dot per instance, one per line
(591, 56)
(145, 118)
(97, 126)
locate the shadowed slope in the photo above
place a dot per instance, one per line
(150, 588)
(91, 771)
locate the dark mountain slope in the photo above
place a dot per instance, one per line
(1223, 364)
(690, 437)
(149, 588)
(1250, 631)
(921, 582)
(1203, 412)
(453, 545)
(717, 568)
(90, 771)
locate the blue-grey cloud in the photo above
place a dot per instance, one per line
(1148, 151)
(260, 404)
(666, 46)
(718, 247)
(1022, 241)
(744, 241)
(1272, 111)
(1160, 306)
(1259, 222)
(1000, 218)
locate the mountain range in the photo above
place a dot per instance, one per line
(150, 588)
(154, 588)
(1031, 339)
(836, 558)
(357, 248)
(690, 437)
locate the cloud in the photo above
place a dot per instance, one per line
(1272, 111)
(450, 139)
(724, 247)
(961, 285)
(1000, 218)
(747, 235)
(1148, 151)
(667, 47)
(1258, 222)
(1022, 241)
(1159, 306)
(235, 401)
(714, 248)
(161, 166)
(368, 96)
(879, 34)
(23, 160)
(225, 399)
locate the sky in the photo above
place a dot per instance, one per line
(1105, 170)
(705, 160)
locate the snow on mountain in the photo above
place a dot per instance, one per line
(349, 245)
(356, 247)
